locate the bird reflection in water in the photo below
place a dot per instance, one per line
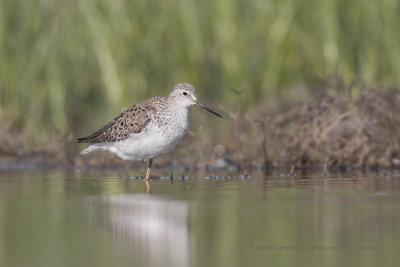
(152, 229)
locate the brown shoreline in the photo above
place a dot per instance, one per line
(362, 131)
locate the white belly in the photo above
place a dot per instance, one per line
(151, 143)
(144, 147)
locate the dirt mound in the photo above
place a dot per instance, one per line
(331, 130)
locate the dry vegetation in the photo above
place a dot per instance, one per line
(335, 130)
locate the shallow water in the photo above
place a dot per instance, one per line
(106, 219)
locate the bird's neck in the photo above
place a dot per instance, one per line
(178, 116)
(181, 110)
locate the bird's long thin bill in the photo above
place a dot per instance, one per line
(206, 108)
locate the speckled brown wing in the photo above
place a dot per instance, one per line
(132, 120)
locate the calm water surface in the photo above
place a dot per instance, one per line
(105, 219)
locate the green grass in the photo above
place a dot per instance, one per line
(63, 62)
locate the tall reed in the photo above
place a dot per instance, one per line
(70, 64)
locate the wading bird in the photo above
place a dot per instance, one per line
(148, 129)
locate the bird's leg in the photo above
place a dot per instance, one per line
(149, 169)
(148, 187)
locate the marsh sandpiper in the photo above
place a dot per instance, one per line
(148, 129)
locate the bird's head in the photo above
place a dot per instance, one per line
(184, 94)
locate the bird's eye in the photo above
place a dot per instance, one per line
(184, 93)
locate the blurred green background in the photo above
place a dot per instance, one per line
(71, 65)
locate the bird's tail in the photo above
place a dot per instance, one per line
(89, 149)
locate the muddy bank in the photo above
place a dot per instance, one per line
(332, 130)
